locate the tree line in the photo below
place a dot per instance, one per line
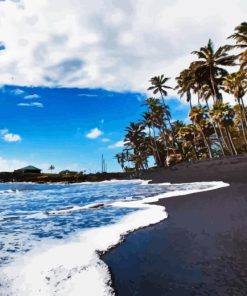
(216, 128)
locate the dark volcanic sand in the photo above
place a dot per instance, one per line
(201, 249)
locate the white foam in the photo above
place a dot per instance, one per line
(73, 267)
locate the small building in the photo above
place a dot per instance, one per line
(28, 169)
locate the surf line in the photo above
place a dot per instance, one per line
(74, 266)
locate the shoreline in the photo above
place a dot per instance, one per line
(92, 242)
(8, 177)
(204, 236)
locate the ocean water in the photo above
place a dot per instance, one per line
(51, 235)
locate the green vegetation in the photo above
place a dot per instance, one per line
(65, 176)
(217, 129)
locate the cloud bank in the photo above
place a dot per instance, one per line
(116, 45)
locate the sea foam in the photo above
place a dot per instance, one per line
(73, 266)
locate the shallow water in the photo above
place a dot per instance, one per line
(49, 234)
(31, 212)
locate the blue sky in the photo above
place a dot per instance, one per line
(58, 59)
(53, 125)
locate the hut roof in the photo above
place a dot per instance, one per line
(29, 168)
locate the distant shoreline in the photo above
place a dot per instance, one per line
(6, 177)
(197, 171)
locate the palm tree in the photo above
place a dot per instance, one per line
(158, 85)
(51, 168)
(223, 115)
(156, 119)
(149, 123)
(238, 124)
(209, 66)
(186, 135)
(199, 116)
(243, 60)
(210, 72)
(185, 84)
(136, 140)
(121, 158)
(236, 84)
(240, 35)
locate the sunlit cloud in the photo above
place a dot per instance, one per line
(118, 144)
(32, 104)
(9, 137)
(94, 133)
(30, 97)
(18, 92)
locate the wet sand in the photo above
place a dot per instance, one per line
(201, 249)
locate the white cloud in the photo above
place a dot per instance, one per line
(104, 140)
(118, 144)
(12, 138)
(116, 45)
(17, 92)
(9, 137)
(33, 104)
(94, 133)
(9, 165)
(30, 97)
(87, 95)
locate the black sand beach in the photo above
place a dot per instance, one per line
(201, 249)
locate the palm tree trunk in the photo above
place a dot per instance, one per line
(213, 86)
(243, 110)
(243, 131)
(195, 148)
(173, 140)
(223, 140)
(216, 133)
(160, 161)
(206, 143)
(231, 141)
(154, 148)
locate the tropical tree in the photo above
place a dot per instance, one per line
(158, 85)
(210, 67)
(199, 116)
(186, 84)
(223, 115)
(240, 35)
(236, 84)
(243, 60)
(186, 137)
(148, 122)
(51, 168)
(240, 38)
(135, 139)
(121, 159)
